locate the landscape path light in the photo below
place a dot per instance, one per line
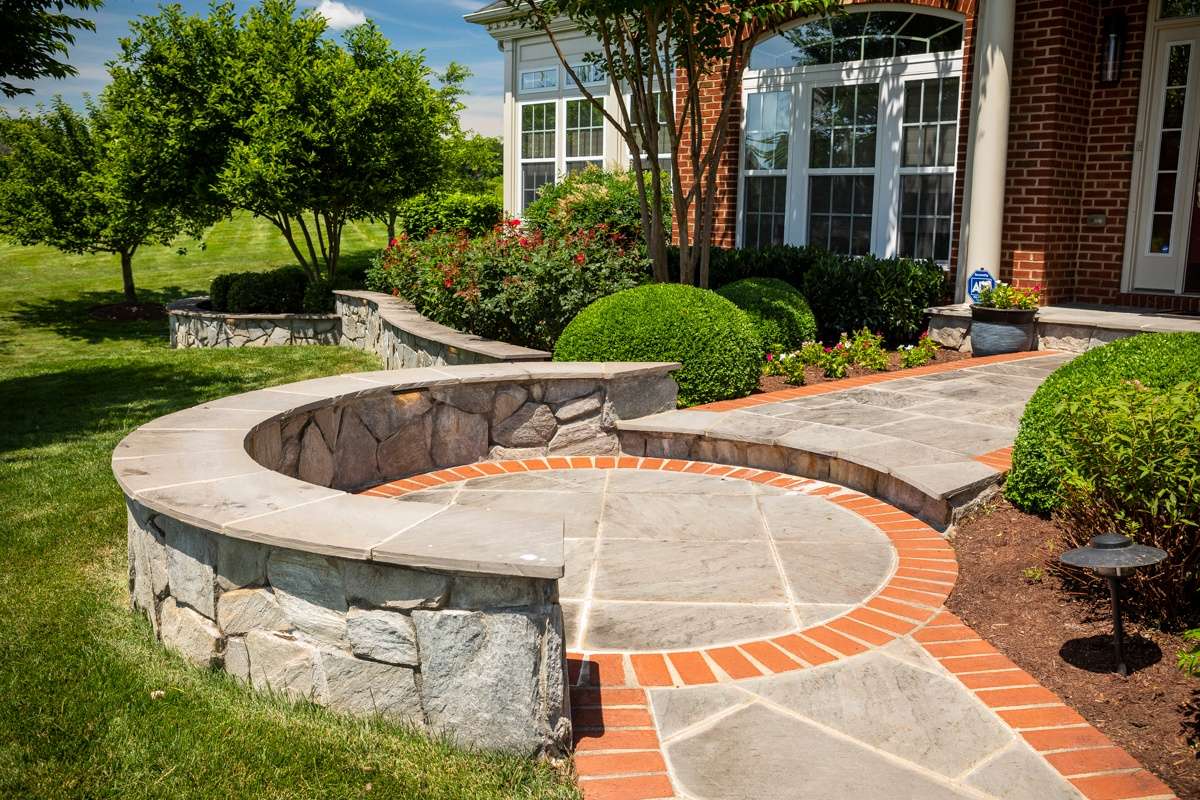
(1114, 556)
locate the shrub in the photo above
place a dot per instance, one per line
(713, 339)
(318, 297)
(778, 312)
(587, 199)
(278, 291)
(783, 261)
(919, 354)
(218, 290)
(1129, 457)
(1004, 296)
(508, 285)
(888, 295)
(1157, 360)
(452, 212)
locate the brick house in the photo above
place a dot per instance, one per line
(1050, 142)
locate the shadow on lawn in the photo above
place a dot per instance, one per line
(69, 404)
(71, 317)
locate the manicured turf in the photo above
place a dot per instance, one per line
(77, 668)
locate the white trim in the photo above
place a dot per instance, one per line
(521, 160)
(603, 157)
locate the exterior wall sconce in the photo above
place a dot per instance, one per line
(1112, 44)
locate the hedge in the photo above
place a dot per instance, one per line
(712, 338)
(278, 291)
(476, 214)
(780, 314)
(1156, 360)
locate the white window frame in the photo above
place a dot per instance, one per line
(603, 157)
(629, 105)
(559, 142)
(522, 89)
(891, 74)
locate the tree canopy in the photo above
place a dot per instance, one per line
(669, 48)
(35, 36)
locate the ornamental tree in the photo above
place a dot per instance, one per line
(650, 48)
(68, 182)
(35, 34)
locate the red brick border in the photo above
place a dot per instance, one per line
(815, 389)
(999, 460)
(618, 755)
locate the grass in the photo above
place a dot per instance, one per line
(77, 668)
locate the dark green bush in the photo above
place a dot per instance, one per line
(886, 295)
(451, 212)
(588, 199)
(1129, 460)
(318, 297)
(280, 291)
(1157, 360)
(218, 290)
(710, 336)
(783, 261)
(517, 287)
(779, 313)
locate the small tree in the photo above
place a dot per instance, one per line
(67, 182)
(642, 43)
(34, 35)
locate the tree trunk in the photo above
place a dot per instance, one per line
(391, 226)
(127, 276)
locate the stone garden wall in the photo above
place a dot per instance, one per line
(247, 554)
(392, 329)
(192, 326)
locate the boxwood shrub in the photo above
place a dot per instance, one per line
(451, 212)
(780, 314)
(713, 339)
(278, 291)
(1155, 360)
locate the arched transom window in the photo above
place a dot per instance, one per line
(850, 134)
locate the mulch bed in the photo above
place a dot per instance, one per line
(775, 383)
(128, 312)
(1065, 642)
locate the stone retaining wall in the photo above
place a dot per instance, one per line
(246, 553)
(391, 328)
(192, 326)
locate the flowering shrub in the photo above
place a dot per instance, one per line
(586, 199)
(509, 285)
(1002, 295)
(919, 354)
(864, 349)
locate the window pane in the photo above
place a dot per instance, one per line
(768, 127)
(925, 209)
(537, 130)
(765, 210)
(930, 136)
(856, 35)
(538, 80)
(585, 129)
(840, 212)
(843, 125)
(533, 178)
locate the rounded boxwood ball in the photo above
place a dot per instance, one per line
(710, 336)
(778, 311)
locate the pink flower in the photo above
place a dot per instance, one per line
(770, 356)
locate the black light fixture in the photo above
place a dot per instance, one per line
(1112, 46)
(1114, 556)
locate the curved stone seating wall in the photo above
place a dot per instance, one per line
(191, 326)
(392, 329)
(444, 618)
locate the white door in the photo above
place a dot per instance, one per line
(1169, 176)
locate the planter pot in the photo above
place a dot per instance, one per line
(1002, 330)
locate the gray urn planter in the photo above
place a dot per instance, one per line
(1002, 330)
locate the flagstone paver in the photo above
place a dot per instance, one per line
(695, 672)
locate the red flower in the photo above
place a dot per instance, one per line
(392, 242)
(447, 283)
(770, 356)
(580, 258)
(514, 222)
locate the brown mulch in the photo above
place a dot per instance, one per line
(1065, 642)
(775, 383)
(128, 312)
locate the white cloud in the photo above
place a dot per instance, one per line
(339, 15)
(483, 114)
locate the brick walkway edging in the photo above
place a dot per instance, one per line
(618, 754)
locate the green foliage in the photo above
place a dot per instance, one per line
(783, 261)
(1158, 360)
(1002, 295)
(476, 214)
(266, 113)
(587, 199)
(919, 354)
(318, 297)
(36, 33)
(68, 180)
(713, 339)
(865, 349)
(474, 164)
(779, 313)
(888, 295)
(1188, 660)
(509, 285)
(789, 366)
(1129, 457)
(279, 291)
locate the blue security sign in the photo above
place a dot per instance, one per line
(980, 279)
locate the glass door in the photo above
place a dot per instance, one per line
(1168, 193)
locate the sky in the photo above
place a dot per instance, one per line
(435, 26)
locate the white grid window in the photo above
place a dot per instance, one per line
(585, 135)
(539, 80)
(663, 103)
(538, 132)
(929, 146)
(590, 74)
(766, 144)
(841, 158)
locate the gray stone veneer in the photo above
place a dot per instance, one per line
(247, 553)
(191, 326)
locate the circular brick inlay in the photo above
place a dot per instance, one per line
(700, 572)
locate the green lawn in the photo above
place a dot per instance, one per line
(77, 668)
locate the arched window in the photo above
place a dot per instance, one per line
(850, 134)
